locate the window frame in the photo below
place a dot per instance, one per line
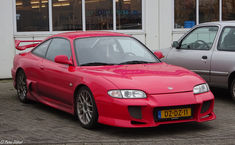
(180, 42)
(197, 15)
(51, 32)
(138, 41)
(69, 48)
(50, 39)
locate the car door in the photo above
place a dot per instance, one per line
(223, 58)
(58, 77)
(35, 73)
(195, 50)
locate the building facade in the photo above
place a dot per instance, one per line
(156, 23)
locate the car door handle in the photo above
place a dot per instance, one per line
(204, 57)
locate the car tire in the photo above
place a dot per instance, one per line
(85, 108)
(232, 89)
(21, 86)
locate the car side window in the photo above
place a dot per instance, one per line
(58, 46)
(226, 41)
(201, 38)
(41, 49)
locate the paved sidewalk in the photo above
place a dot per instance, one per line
(36, 123)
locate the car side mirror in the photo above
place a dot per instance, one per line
(176, 44)
(63, 59)
(159, 54)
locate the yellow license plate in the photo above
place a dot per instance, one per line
(174, 113)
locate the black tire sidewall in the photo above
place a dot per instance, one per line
(24, 100)
(231, 90)
(93, 123)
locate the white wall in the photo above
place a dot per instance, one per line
(165, 23)
(7, 50)
(151, 24)
(177, 34)
(159, 18)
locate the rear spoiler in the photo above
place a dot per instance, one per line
(23, 47)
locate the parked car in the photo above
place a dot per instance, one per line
(109, 78)
(209, 50)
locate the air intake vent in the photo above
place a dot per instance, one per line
(205, 106)
(135, 112)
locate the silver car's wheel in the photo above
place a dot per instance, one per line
(85, 108)
(232, 89)
(21, 86)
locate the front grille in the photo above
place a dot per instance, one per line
(205, 107)
(157, 109)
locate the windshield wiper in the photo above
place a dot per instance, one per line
(96, 64)
(135, 62)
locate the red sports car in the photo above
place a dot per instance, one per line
(109, 78)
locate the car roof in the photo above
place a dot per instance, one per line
(83, 34)
(221, 23)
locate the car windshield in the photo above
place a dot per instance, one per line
(96, 51)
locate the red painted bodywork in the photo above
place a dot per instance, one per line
(18, 47)
(50, 83)
(159, 54)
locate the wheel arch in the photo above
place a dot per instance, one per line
(17, 71)
(77, 88)
(230, 79)
(75, 92)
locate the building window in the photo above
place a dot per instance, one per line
(185, 13)
(67, 15)
(208, 10)
(228, 10)
(129, 14)
(32, 15)
(99, 14)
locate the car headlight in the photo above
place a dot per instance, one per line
(201, 89)
(127, 94)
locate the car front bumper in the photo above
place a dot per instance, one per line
(133, 113)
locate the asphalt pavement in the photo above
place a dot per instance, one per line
(35, 123)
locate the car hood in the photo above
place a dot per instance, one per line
(157, 78)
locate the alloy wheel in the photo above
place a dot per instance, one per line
(85, 107)
(21, 86)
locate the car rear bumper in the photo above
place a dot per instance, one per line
(134, 113)
(13, 74)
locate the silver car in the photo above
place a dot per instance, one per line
(209, 50)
